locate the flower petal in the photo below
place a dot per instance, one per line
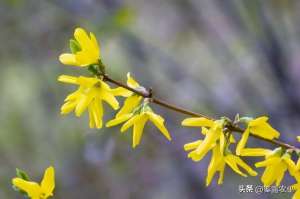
(243, 141)
(131, 82)
(158, 121)
(197, 121)
(48, 182)
(118, 120)
(31, 188)
(68, 59)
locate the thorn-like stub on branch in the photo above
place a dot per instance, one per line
(150, 92)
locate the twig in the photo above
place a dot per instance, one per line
(175, 108)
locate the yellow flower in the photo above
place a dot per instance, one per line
(212, 135)
(35, 190)
(138, 121)
(89, 95)
(87, 51)
(298, 138)
(260, 127)
(297, 192)
(276, 165)
(132, 100)
(219, 161)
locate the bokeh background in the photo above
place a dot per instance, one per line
(211, 56)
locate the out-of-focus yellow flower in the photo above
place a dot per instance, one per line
(132, 100)
(35, 190)
(87, 50)
(298, 138)
(260, 127)
(276, 165)
(89, 95)
(138, 121)
(219, 161)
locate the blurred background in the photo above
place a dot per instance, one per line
(211, 56)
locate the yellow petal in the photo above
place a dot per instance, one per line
(243, 141)
(96, 109)
(210, 139)
(197, 121)
(119, 120)
(85, 58)
(290, 163)
(214, 164)
(138, 130)
(111, 100)
(67, 107)
(192, 145)
(268, 162)
(92, 123)
(67, 79)
(204, 130)
(264, 130)
(31, 188)
(129, 105)
(120, 91)
(269, 175)
(82, 38)
(88, 82)
(222, 143)
(298, 164)
(95, 44)
(231, 161)
(48, 182)
(231, 139)
(131, 82)
(68, 59)
(255, 152)
(280, 171)
(221, 175)
(129, 123)
(83, 103)
(158, 121)
(258, 121)
(245, 166)
(296, 194)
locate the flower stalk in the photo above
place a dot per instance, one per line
(230, 125)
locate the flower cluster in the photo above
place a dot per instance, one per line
(136, 111)
(218, 138)
(93, 91)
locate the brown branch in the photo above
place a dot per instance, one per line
(175, 108)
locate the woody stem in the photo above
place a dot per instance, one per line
(231, 127)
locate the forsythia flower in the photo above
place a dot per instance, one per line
(260, 127)
(35, 190)
(276, 165)
(89, 95)
(219, 161)
(85, 50)
(138, 121)
(136, 115)
(132, 100)
(212, 135)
